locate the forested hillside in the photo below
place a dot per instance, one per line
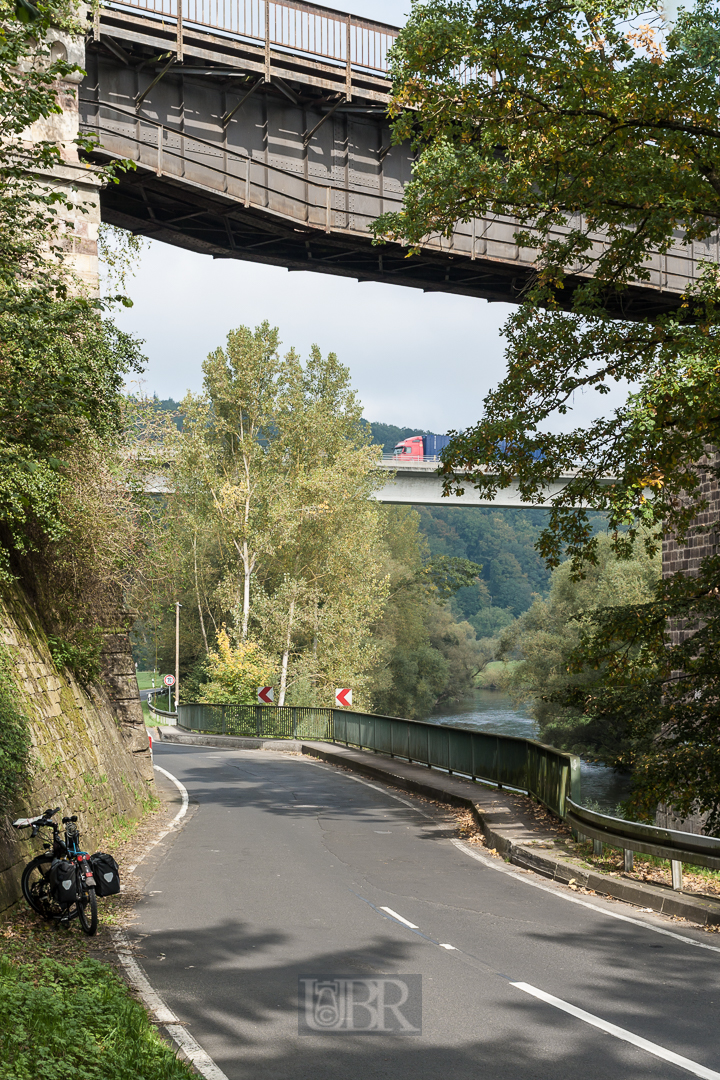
(501, 541)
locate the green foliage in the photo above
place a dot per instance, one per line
(636, 679)
(270, 527)
(605, 126)
(389, 435)
(544, 640)
(15, 743)
(428, 656)
(578, 122)
(503, 543)
(59, 1020)
(64, 530)
(81, 654)
(445, 575)
(235, 672)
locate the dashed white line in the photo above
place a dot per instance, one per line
(498, 865)
(406, 922)
(620, 1033)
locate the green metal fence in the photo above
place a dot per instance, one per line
(549, 774)
(261, 721)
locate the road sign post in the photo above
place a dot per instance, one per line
(169, 681)
(343, 697)
(265, 695)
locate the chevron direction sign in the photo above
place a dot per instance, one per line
(265, 695)
(343, 697)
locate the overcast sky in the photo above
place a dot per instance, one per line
(417, 359)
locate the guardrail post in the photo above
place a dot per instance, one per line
(676, 873)
(628, 860)
(597, 847)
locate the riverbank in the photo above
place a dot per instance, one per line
(492, 710)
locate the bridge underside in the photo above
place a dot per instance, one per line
(276, 158)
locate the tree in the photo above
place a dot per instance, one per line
(66, 524)
(596, 130)
(273, 472)
(236, 672)
(576, 123)
(544, 641)
(427, 655)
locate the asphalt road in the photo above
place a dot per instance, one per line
(284, 870)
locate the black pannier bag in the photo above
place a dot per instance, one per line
(107, 874)
(63, 882)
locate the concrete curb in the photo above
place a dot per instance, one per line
(226, 742)
(532, 856)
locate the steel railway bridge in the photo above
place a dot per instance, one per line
(259, 132)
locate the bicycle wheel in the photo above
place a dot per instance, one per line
(36, 887)
(87, 911)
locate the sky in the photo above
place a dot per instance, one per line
(416, 359)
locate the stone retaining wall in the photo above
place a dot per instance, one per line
(82, 759)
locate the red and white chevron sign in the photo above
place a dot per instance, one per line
(265, 695)
(343, 696)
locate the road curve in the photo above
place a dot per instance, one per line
(290, 868)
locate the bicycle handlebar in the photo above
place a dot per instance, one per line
(37, 822)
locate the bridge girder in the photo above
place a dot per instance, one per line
(285, 169)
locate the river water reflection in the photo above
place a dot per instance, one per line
(489, 710)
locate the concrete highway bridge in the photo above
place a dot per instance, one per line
(410, 484)
(259, 131)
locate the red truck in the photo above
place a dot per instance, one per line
(421, 447)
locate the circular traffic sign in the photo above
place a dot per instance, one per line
(169, 680)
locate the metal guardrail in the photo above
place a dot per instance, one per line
(645, 839)
(160, 712)
(258, 721)
(287, 24)
(632, 836)
(549, 774)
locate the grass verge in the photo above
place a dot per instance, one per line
(60, 1020)
(65, 1012)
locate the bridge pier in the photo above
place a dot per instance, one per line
(76, 179)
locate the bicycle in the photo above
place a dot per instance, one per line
(36, 883)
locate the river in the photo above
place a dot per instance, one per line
(489, 710)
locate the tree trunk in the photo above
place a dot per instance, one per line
(286, 655)
(197, 594)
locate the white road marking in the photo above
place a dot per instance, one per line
(183, 792)
(496, 864)
(451, 948)
(399, 918)
(175, 821)
(163, 1015)
(620, 1033)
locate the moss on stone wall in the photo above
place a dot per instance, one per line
(83, 757)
